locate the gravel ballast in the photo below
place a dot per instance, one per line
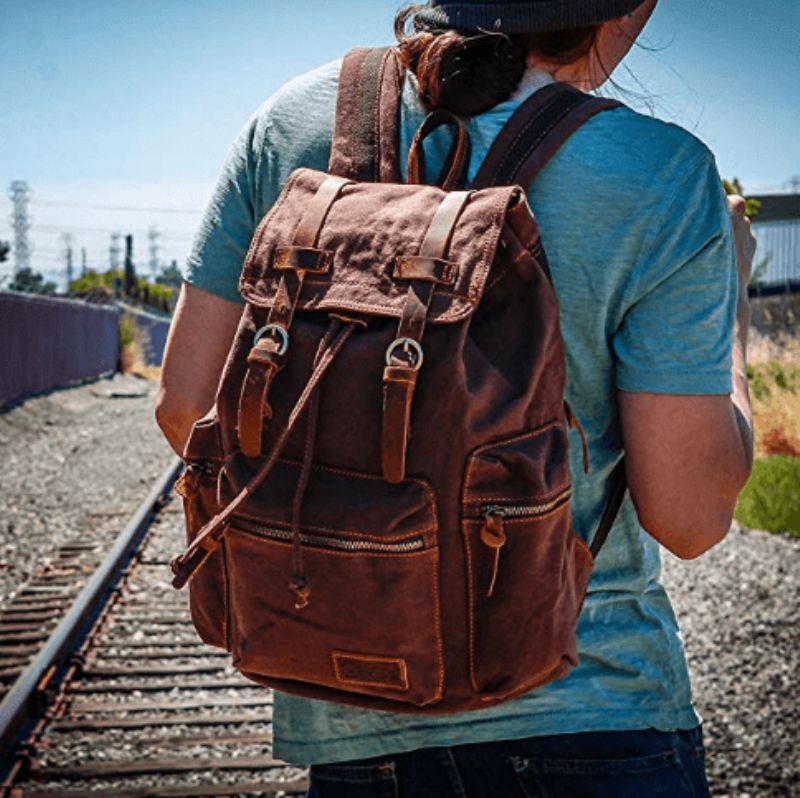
(77, 462)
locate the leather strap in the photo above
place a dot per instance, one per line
(454, 171)
(434, 245)
(210, 536)
(365, 143)
(399, 383)
(266, 359)
(535, 132)
(400, 376)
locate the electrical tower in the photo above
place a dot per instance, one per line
(66, 254)
(20, 194)
(114, 251)
(153, 247)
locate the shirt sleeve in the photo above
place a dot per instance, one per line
(228, 224)
(676, 335)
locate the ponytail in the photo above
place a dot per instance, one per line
(471, 73)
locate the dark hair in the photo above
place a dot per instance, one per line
(469, 73)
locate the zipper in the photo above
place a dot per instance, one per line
(322, 541)
(522, 510)
(493, 534)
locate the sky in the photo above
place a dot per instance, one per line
(119, 113)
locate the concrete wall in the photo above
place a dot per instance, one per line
(48, 343)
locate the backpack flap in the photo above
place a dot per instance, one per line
(369, 248)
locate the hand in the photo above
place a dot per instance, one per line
(744, 239)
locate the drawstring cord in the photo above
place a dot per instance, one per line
(299, 582)
(209, 537)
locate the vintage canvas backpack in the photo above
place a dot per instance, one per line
(378, 505)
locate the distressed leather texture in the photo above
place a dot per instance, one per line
(397, 533)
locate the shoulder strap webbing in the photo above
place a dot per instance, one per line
(529, 139)
(365, 136)
(534, 133)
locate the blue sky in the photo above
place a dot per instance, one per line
(134, 103)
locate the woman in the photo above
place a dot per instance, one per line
(654, 315)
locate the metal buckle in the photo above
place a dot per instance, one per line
(409, 346)
(283, 335)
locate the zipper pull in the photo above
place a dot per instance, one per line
(493, 535)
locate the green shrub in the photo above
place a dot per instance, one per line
(126, 331)
(771, 498)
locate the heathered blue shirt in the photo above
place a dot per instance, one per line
(636, 229)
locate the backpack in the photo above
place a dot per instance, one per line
(378, 504)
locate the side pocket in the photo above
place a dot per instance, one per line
(528, 571)
(208, 588)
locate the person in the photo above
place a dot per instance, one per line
(654, 314)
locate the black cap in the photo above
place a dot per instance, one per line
(533, 16)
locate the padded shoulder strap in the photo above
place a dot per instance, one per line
(535, 132)
(365, 136)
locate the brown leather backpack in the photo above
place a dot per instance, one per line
(378, 505)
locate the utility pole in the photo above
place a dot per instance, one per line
(130, 286)
(84, 268)
(152, 236)
(66, 240)
(114, 251)
(20, 195)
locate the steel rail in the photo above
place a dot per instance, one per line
(17, 705)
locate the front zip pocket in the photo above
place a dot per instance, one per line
(371, 557)
(493, 534)
(327, 541)
(527, 571)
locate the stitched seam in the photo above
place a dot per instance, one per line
(532, 120)
(471, 593)
(521, 134)
(437, 621)
(473, 455)
(546, 132)
(376, 115)
(225, 600)
(255, 244)
(526, 497)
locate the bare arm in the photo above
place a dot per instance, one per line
(199, 338)
(688, 457)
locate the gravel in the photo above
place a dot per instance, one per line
(77, 462)
(739, 610)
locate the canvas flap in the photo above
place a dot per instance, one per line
(365, 231)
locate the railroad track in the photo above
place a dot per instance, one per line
(106, 689)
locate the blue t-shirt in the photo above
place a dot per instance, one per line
(636, 229)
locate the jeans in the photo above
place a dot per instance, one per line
(628, 764)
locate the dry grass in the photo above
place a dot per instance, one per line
(774, 369)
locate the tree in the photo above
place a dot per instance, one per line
(5, 248)
(31, 282)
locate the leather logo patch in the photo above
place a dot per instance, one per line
(370, 671)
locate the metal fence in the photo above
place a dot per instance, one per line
(777, 228)
(48, 343)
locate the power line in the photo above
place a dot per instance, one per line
(129, 208)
